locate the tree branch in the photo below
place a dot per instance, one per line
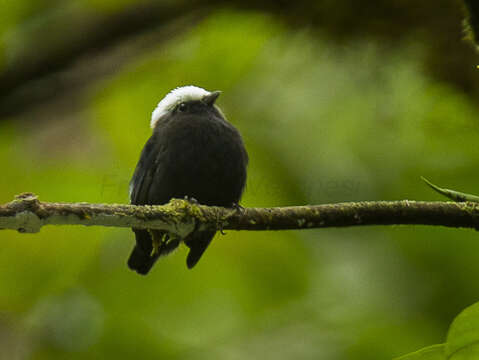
(47, 60)
(27, 214)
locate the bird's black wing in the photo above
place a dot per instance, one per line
(148, 186)
(141, 182)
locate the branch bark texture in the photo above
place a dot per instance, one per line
(27, 214)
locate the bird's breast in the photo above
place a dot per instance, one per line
(206, 161)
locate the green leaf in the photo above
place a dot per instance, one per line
(452, 194)
(463, 336)
(433, 352)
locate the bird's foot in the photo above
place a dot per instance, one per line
(191, 200)
(156, 244)
(238, 207)
(157, 239)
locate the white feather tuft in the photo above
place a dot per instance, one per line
(175, 97)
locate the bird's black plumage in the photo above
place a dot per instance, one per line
(193, 152)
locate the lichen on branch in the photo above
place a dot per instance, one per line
(27, 214)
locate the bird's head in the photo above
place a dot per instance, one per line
(184, 99)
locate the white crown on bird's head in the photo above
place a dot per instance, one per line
(174, 98)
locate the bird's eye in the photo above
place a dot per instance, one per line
(182, 107)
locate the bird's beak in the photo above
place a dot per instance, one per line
(211, 98)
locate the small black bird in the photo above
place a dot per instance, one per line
(194, 152)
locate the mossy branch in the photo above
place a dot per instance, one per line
(27, 214)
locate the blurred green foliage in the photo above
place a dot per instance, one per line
(462, 341)
(322, 123)
(434, 352)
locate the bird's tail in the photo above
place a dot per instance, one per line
(141, 262)
(197, 242)
(141, 259)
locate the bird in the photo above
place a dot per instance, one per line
(193, 153)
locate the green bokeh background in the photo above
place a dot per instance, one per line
(323, 122)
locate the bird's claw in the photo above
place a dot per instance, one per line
(156, 244)
(237, 207)
(191, 200)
